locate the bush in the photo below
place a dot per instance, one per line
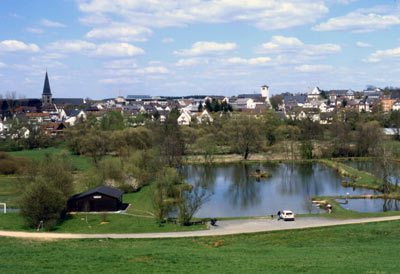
(42, 202)
(11, 165)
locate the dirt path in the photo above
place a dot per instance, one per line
(222, 228)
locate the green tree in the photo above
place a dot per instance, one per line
(394, 122)
(276, 101)
(368, 135)
(171, 141)
(42, 202)
(112, 120)
(165, 192)
(200, 107)
(94, 144)
(245, 134)
(47, 185)
(208, 146)
(288, 135)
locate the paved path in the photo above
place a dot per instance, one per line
(222, 228)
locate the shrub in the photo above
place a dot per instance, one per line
(11, 165)
(42, 202)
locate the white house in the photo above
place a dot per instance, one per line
(349, 95)
(184, 118)
(314, 94)
(204, 117)
(364, 106)
(3, 127)
(323, 107)
(73, 118)
(396, 105)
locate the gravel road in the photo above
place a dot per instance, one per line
(222, 228)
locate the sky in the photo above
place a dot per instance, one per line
(103, 48)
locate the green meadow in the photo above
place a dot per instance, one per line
(363, 248)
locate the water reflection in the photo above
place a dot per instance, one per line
(236, 193)
(375, 169)
(373, 205)
(244, 190)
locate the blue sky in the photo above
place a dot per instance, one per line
(96, 48)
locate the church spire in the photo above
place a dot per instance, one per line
(47, 98)
(46, 88)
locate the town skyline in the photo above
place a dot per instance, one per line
(97, 48)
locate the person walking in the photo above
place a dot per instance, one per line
(279, 215)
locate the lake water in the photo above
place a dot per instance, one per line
(375, 169)
(372, 205)
(235, 193)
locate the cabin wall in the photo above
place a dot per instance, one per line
(94, 203)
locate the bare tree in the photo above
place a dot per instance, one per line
(383, 153)
(191, 202)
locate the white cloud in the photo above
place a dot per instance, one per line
(119, 80)
(187, 62)
(321, 49)
(93, 19)
(47, 58)
(379, 55)
(2, 65)
(121, 32)
(91, 49)
(153, 70)
(279, 43)
(120, 64)
(313, 68)
(168, 40)
(282, 44)
(266, 15)
(205, 48)
(259, 61)
(363, 45)
(17, 46)
(51, 24)
(35, 30)
(359, 22)
(71, 46)
(117, 50)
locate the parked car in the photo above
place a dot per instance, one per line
(287, 215)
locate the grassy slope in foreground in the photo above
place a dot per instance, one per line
(364, 248)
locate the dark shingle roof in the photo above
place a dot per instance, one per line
(137, 97)
(106, 190)
(73, 101)
(46, 87)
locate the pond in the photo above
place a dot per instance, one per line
(371, 205)
(375, 169)
(235, 193)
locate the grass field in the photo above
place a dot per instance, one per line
(80, 163)
(364, 248)
(94, 223)
(8, 190)
(140, 202)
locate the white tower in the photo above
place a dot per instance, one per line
(265, 94)
(265, 91)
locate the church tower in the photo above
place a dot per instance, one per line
(265, 94)
(46, 95)
(265, 91)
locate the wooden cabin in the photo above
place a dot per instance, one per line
(103, 198)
